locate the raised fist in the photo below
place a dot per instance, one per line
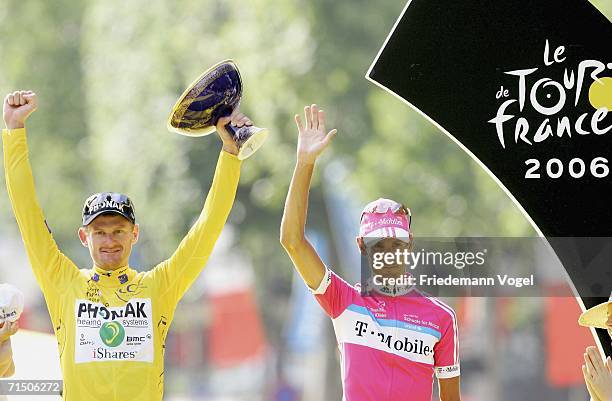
(17, 108)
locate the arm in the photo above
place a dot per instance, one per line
(312, 140)
(177, 273)
(7, 367)
(446, 358)
(51, 268)
(449, 389)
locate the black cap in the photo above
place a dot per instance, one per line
(108, 202)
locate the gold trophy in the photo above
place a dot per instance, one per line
(215, 94)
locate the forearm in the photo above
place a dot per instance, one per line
(221, 195)
(450, 396)
(450, 389)
(40, 246)
(296, 205)
(201, 238)
(7, 367)
(302, 254)
(193, 252)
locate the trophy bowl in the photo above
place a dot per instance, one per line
(215, 94)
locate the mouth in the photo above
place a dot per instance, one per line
(110, 251)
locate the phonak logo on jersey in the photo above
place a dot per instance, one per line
(97, 311)
(114, 333)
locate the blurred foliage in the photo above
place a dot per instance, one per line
(107, 74)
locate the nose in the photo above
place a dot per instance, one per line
(109, 240)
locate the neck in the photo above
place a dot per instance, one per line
(112, 278)
(109, 268)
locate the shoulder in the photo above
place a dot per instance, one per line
(335, 282)
(445, 312)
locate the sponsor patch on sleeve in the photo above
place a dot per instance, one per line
(446, 372)
(324, 283)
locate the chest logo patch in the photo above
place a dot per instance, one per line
(104, 333)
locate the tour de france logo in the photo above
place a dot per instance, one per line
(112, 334)
(554, 100)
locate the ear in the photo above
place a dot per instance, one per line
(135, 233)
(361, 245)
(83, 236)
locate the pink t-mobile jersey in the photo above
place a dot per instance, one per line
(390, 346)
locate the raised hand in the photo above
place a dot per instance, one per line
(312, 139)
(17, 108)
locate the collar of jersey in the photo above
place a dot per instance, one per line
(389, 290)
(112, 278)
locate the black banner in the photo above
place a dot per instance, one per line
(524, 86)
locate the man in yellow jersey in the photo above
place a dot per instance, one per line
(111, 321)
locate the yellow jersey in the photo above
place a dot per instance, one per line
(111, 326)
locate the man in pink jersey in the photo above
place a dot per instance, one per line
(393, 340)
